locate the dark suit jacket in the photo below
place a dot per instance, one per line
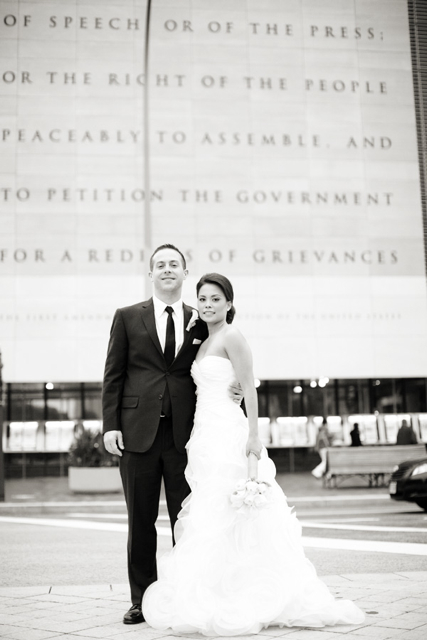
(136, 376)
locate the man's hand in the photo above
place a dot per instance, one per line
(113, 442)
(235, 392)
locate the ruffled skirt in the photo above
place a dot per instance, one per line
(234, 572)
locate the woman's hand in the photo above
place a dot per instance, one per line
(254, 445)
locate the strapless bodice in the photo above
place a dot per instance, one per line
(213, 376)
(212, 371)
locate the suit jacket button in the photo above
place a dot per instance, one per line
(160, 397)
(168, 373)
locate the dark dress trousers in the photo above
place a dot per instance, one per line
(137, 382)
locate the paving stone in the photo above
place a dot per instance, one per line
(352, 593)
(377, 578)
(391, 610)
(343, 629)
(386, 597)
(401, 622)
(335, 580)
(416, 600)
(56, 597)
(369, 604)
(102, 589)
(415, 616)
(418, 576)
(69, 636)
(81, 606)
(274, 632)
(23, 592)
(60, 627)
(21, 618)
(415, 634)
(126, 635)
(116, 605)
(403, 606)
(42, 605)
(17, 633)
(130, 633)
(311, 634)
(376, 633)
(99, 609)
(103, 631)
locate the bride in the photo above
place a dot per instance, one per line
(234, 570)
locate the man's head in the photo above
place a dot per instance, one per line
(167, 246)
(168, 270)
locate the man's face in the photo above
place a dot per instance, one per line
(168, 273)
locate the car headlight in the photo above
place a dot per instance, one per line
(395, 468)
(422, 468)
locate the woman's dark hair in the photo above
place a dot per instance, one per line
(226, 287)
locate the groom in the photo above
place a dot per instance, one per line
(148, 403)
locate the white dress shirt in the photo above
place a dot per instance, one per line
(161, 317)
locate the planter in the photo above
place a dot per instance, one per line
(94, 479)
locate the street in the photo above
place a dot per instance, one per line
(83, 541)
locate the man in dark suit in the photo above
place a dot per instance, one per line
(148, 408)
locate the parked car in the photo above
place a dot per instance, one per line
(409, 482)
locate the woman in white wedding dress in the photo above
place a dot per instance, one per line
(234, 571)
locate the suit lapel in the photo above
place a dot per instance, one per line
(147, 314)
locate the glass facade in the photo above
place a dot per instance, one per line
(28, 402)
(52, 401)
(342, 397)
(40, 419)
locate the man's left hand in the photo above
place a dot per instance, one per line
(235, 392)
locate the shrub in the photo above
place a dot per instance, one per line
(88, 450)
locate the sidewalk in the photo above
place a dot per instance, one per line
(300, 488)
(394, 606)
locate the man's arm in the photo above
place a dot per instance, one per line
(112, 389)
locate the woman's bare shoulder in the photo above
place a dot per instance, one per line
(234, 337)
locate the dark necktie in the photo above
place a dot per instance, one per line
(170, 338)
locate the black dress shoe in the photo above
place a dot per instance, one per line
(134, 615)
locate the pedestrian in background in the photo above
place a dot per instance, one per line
(406, 434)
(355, 436)
(323, 441)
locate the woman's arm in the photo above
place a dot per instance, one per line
(240, 356)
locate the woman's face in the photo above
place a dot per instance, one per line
(212, 304)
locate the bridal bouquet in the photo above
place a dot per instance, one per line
(250, 494)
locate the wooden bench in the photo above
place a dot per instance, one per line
(371, 462)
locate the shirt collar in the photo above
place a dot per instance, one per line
(159, 307)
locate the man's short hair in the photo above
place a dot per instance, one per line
(167, 246)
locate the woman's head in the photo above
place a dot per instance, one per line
(215, 297)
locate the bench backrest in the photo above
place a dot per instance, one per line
(366, 459)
